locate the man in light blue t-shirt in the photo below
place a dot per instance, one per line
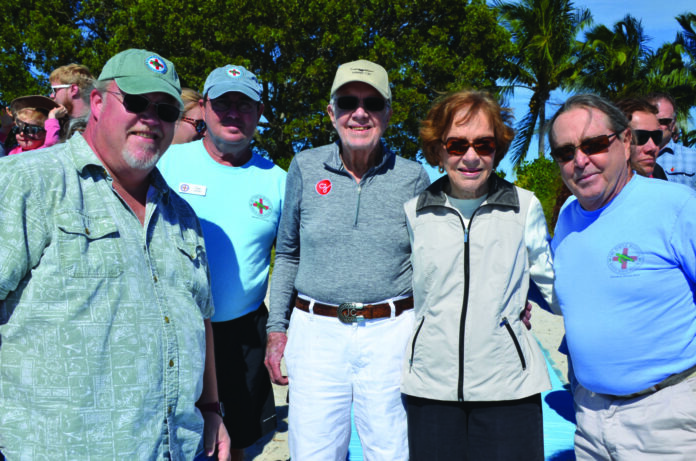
(238, 196)
(625, 264)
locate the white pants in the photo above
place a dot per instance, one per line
(332, 365)
(659, 426)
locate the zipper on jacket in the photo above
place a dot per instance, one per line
(357, 205)
(508, 327)
(465, 303)
(413, 344)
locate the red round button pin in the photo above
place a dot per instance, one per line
(323, 187)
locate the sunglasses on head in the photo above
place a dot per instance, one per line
(642, 136)
(244, 106)
(459, 146)
(588, 146)
(136, 104)
(372, 103)
(55, 88)
(26, 129)
(665, 121)
(197, 123)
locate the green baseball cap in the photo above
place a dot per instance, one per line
(365, 72)
(141, 71)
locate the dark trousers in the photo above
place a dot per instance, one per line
(475, 431)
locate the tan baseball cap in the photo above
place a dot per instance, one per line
(363, 71)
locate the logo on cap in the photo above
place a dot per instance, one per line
(323, 187)
(234, 72)
(157, 64)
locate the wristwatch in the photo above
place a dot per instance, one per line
(212, 407)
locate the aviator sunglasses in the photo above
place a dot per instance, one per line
(137, 104)
(372, 103)
(588, 146)
(459, 146)
(197, 123)
(642, 136)
(26, 129)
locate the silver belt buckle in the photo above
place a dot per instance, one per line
(347, 313)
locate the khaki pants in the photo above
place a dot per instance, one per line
(659, 426)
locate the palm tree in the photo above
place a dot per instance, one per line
(544, 33)
(614, 62)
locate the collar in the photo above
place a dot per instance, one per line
(500, 193)
(334, 162)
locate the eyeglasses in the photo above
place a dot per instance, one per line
(32, 131)
(137, 104)
(54, 89)
(665, 121)
(198, 124)
(243, 106)
(589, 146)
(372, 103)
(642, 136)
(460, 146)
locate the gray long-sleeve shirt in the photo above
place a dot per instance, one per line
(339, 240)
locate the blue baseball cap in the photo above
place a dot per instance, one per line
(232, 78)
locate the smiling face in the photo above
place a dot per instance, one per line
(360, 130)
(643, 157)
(124, 140)
(30, 141)
(598, 178)
(468, 174)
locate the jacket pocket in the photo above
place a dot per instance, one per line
(413, 344)
(515, 341)
(88, 245)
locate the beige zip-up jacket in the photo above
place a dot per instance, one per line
(470, 286)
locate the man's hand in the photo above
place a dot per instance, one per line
(215, 436)
(526, 315)
(275, 347)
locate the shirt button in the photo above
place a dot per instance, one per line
(86, 231)
(171, 363)
(154, 277)
(169, 410)
(166, 320)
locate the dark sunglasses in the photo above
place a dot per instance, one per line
(197, 123)
(589, 146)
(137, 104)
(26, 129)
(459, 146)
(642, 136)
(665, 121)
(372, 103)
(243, 106)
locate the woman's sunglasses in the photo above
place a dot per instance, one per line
(589, 146)
(197, 123)
(459, 146)
(137, 104)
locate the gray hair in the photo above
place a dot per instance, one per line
(617, 120)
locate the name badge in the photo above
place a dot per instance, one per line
(194, 189)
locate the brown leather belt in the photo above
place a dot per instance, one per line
(356, 312)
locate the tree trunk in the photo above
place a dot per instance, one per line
(542, 126)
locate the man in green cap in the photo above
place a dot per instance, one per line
(105, 339)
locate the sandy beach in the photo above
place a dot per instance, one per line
(548, 329)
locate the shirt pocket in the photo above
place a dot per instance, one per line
(194, 265)
(88, 245)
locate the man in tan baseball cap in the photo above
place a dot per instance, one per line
(343, 246)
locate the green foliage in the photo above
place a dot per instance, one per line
(428, 47)
(544, 59)
(542, 177)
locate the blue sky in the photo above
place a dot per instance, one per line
(659, 24)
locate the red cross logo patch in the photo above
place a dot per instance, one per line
(261, 206)
(323, 187)
(625, 258)
(157, 64)
(234, 72)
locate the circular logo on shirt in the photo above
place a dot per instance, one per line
(625, 258)
(183, 187)
(323, 187)
(261, 206)
(157, 64)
